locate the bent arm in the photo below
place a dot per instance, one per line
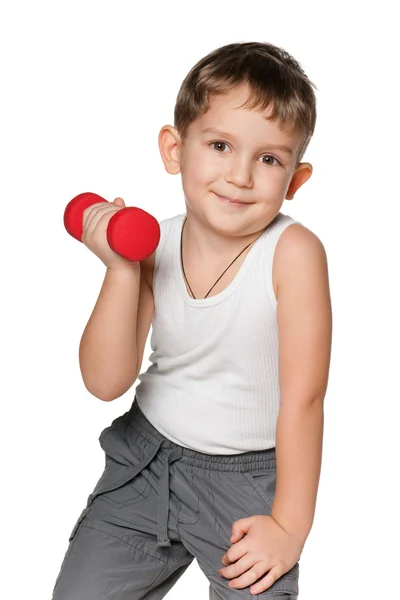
(108, 350)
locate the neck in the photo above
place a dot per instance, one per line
(205, 243)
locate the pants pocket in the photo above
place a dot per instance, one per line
(121, 483)
(264, 483)
(78, 522)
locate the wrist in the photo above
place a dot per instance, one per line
(299, 532)
(128, 268)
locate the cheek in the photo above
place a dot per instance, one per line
(199, 170)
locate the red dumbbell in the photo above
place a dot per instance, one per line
(132, 232)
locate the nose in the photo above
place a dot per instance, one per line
(239, 172)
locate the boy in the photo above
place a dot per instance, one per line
(219, 456)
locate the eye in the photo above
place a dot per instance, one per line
(224, 144)
(273, 158)
(218, 143)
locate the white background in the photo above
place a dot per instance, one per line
(85, 89)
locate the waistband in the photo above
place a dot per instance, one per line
(252, 460)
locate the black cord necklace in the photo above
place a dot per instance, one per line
(222, 273)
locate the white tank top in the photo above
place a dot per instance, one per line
(213, 383)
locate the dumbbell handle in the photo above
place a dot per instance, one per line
(131, 232)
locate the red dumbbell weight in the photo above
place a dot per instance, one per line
(132, 232)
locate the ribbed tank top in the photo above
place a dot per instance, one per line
(213, 383)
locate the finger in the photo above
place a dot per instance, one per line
(235, 552)
(250, 576)
(267, 581)
(239, 567)
(101, 213)
(90, 212)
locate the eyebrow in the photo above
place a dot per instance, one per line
(225, 134)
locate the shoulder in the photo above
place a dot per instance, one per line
(304, 316)
(299, 256)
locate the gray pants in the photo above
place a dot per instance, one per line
(155, 508)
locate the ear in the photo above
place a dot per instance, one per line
(169, 143)
(302, 174)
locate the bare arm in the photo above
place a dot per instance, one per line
(305, 331)
(108, 349)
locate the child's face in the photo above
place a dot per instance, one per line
(238, 160)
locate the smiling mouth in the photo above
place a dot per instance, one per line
(231, 201)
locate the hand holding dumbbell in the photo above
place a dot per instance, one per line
(110, 227)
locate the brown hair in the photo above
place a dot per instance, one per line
(274, 78)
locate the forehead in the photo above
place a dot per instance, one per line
(226, 114)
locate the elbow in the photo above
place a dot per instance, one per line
(99, 394)
(113, 392)
(105, 398)
(111, 395)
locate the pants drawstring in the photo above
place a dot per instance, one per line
(163, 500)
